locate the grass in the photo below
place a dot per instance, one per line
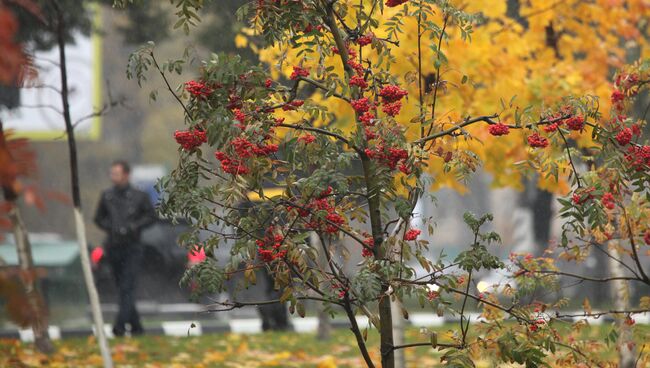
(279, 349)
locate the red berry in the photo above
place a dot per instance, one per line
(298, 72)
(498, 129)
(575, 123)
(624, 136)
(537, 141)
(393, 3)
(411, 234)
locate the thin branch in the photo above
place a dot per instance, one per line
(568, 152)
(169, 87)
(635, 254)
(487, 119)
(600, 314)
(42, 86)
(357, 332)
(324, 88)
(413, 345)
(582, 277)
(320, 131)
(42, 106)
(599, 247)
(437, 81)
(468, 121)
(230, 305)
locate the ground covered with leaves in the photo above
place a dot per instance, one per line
(275, 349)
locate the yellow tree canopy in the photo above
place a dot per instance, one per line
(533, 54)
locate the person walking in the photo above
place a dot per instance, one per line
(122, 213)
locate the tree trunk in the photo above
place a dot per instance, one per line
(95, 306)
(621, 294)
(29, 279)
(398, 333)
(385, 311)
(76, 198)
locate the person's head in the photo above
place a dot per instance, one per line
(120, 171)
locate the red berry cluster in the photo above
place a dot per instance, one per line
(332, 220)
(342, 290)
(392, 108)
(432, 295)
(369, 243)
(310, 27)
(618, 100)
(537, 141)
(307, 138)
(625, 134)
(623, 86)
(391, 96)
(269, 248)
(366, 39)
(357, 80)
(198, 89)
(537, 324)
(498, 129)
(298, 72)
(358, 68)
(393, 3)
(231, 165)
(608, 201)
(293, 105)
(361, 105)
(352, 53)
(246, 148)
(624, 137)
(240, 116)
(392, 93)
(551, 127)
(391, 157)
(411, 234)
(190, 139)
(638, 157)
(583, 196)
(367, 119)
(575, 122)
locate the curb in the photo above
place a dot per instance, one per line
(183, 328)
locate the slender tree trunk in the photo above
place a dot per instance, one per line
(621, 294)
(39, 322)
(76, 198)
(398, 333)
(28, 277)
(385, 310)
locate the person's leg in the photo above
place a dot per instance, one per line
(131, 266)
(281, 317)
(117, 266)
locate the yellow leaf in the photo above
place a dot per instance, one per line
(327, 362)
(241, 41)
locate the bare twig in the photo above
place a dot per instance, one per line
(169, 87)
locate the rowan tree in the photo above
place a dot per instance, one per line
(349, 132)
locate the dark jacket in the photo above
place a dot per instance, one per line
(123, 213)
